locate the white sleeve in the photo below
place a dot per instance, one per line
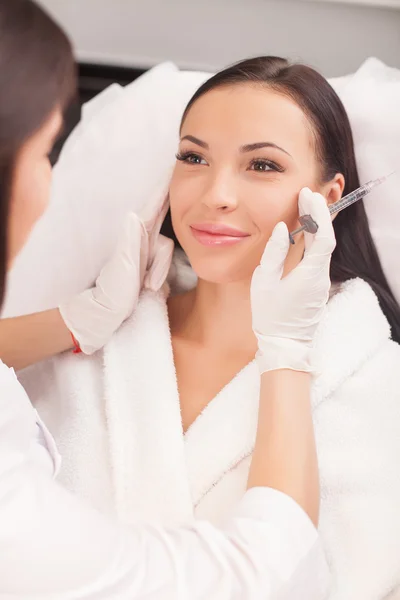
(54, 547)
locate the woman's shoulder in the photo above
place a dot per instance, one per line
(358, 359)
(352, 333)
(363, 306)
(354, 304)
(358, 392)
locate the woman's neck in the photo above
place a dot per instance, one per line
(214, 315)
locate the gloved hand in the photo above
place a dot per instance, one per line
(142, 259)
(286, 312)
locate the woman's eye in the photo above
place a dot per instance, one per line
(191, 158)
(264, 166)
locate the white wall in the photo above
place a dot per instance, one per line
(385, 3)
(208, 34)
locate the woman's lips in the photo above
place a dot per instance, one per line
(213, 234)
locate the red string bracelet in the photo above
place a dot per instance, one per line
(77, 348)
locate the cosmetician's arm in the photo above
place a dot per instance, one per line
(54, 547)
(285, 315)
(31, 338)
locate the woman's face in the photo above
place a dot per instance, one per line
(30, 190)
(244, 155)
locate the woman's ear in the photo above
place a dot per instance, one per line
(333, 190)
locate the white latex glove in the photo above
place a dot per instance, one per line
(142, 259)
(286, 312)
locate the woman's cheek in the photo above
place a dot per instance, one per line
(267, 213)
(44, 188)
(284, 208)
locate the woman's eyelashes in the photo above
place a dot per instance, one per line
(263, 165)
(260, 165)
(191, 158)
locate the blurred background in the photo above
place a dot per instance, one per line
(117, 40)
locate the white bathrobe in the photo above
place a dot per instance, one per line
(116, 418)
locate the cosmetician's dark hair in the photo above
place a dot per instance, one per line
(355, 254)
(37, 74)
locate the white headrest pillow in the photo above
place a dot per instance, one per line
(372, 101)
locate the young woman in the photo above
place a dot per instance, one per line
(162, 423)
(51, 545)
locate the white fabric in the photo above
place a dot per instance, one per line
(121, 155)
(286, 311)
(372, 100)
(116, 417)
(53, 547)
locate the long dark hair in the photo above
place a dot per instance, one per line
(37, 74)
(355, 254)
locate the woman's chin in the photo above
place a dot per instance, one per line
(220, 272)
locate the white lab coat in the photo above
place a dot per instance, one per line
(52, 547)
(116, 416)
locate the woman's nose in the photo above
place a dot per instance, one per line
(221, 193)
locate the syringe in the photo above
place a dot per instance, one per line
(307, 222)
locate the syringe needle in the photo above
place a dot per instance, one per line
(307, 222)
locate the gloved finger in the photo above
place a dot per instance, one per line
(134, 243)
(157, 201)
(125, 267)
(323, 242)
(159, 268)
(153, 224)
(159, 218)
(275, 253)
(132, 238)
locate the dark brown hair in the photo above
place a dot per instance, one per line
(355, 254)
(37, 74)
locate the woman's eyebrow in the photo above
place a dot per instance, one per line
(246, 148)
(195, 140)
(259, 145)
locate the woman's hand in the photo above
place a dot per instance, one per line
(286, 312)
(142, 259)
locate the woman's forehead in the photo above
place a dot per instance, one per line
(246, 114)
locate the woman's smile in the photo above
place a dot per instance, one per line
(217, 234)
